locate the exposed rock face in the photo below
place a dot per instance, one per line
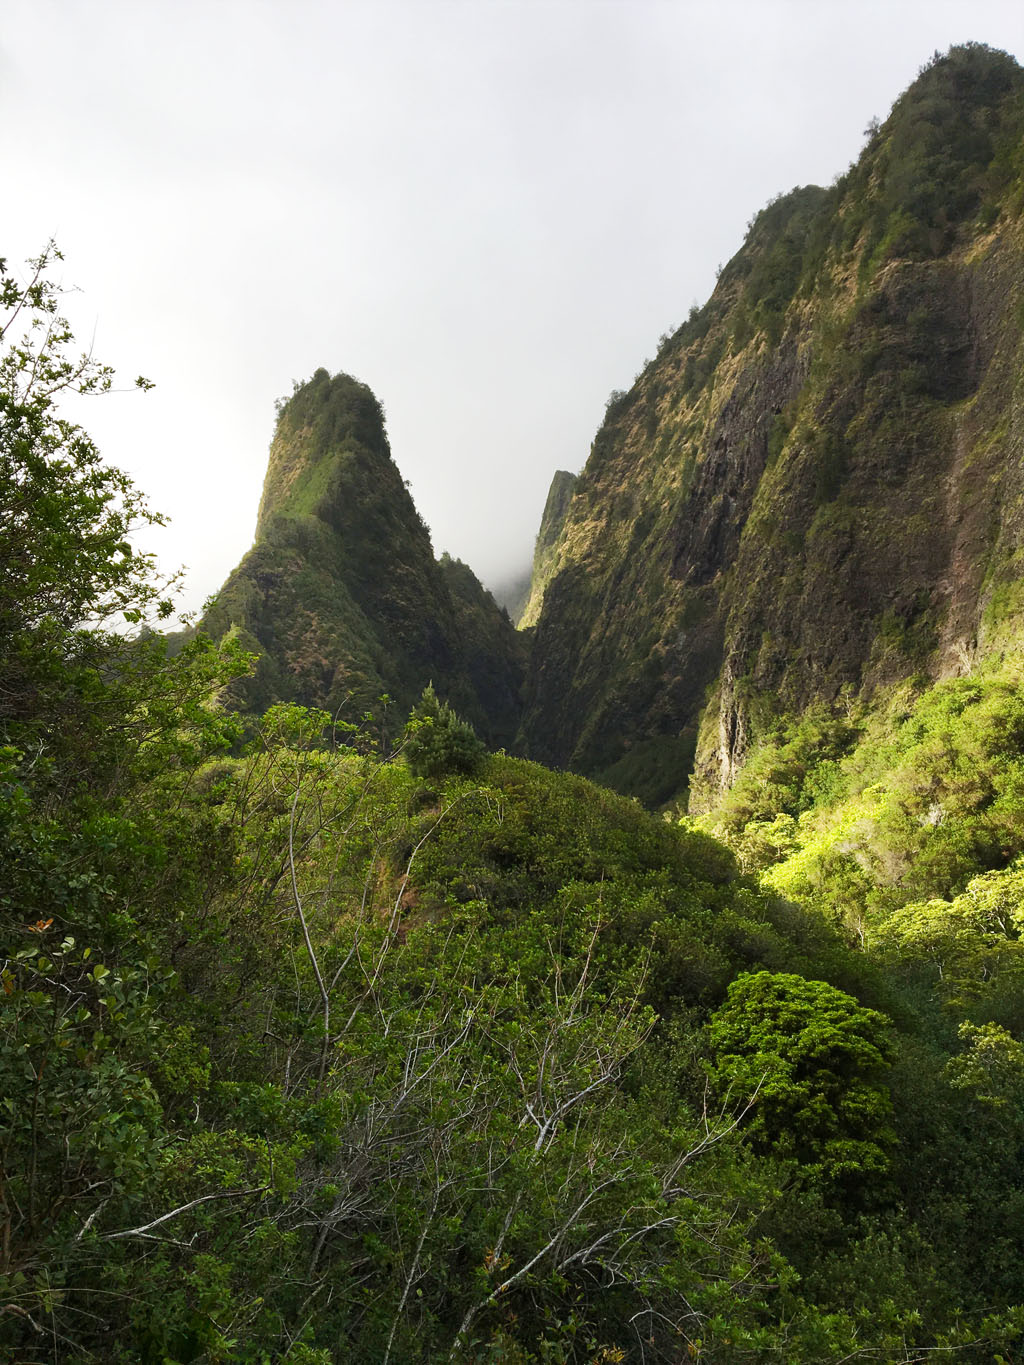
(819, 482)
(341, 596)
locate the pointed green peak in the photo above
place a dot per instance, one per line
(326, 418)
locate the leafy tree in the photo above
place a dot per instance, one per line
(71, 678)
(991, 1067)
(65, 517)
(813, 1061)
(962, 945)
(103, 858)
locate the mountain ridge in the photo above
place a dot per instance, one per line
(812, 492)
(756, 526)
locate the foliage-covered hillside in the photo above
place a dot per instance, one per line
(310, 1058)
(315, 1056)
(816, 483)
(329, 1042)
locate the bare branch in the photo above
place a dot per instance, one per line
(143, 1228)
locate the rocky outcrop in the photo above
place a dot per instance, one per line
(341, 597)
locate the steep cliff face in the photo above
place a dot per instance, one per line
(341, 596)
(556, 509)
(819, 482)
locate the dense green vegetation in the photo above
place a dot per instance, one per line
(318, 1053)
(902, 825)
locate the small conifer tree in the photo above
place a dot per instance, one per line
(437, 742)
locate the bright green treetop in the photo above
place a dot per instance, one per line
(812, 1062)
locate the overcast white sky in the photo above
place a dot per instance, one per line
(488, 210)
